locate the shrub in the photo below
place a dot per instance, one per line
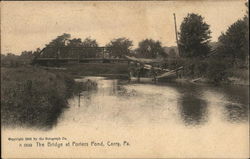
(216, 71)
(32, 96)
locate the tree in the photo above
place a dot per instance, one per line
(10, 60)
(52, 49)
(149, 48)
(27, 54)
(172, 53)
(60, 40)
(234, 43)
(194, 36)
(87, 48)
(11, 56)
(36, 53)
(119, 47)
(88, 42)
(75, 42)
(72, 50)
(90, 49)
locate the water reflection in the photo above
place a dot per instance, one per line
(86, 98)
(107, 87)
(231, 101)
(236, 112)
(193, 105)
(237, 109)
(193, 110)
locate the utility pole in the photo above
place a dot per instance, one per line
(103, 50)
(176, 35)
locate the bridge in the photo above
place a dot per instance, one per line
(64, 55)
(81, 60)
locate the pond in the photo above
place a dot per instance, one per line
(190, 105)
(163, 119)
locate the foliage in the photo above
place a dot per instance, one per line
(52, 49)
(64, 47)
(216, 70)
(27, 54)
(12, 60)
(91, 50)
(88, 42)
(33, 97)
(149, 48)
(119, 47)
(35, 53)
(76, 42)
(235, 42)
(9, 56)
(194, 36)
(213, 69)
(60, 41)
(172, 53)
(77, 48)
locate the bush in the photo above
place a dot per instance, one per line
(213, 68)
(216, 71)
(32, 96)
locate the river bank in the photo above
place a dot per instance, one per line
(179, 113)
(34, 97)
(231, 76)
(230, 81)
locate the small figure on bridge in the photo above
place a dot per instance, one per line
(88, 85)
(139, 71)
(153, 71)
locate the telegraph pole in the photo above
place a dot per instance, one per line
(176, 35)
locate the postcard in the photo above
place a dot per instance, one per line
(125, 79)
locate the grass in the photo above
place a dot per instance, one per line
(213, 69)
(33, 97)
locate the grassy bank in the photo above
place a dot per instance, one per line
(212, 70)
(33, 97)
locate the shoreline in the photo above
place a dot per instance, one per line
(206, 81)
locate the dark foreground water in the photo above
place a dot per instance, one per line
(159, 120)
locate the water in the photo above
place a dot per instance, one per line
(189, 105)
(159, 120)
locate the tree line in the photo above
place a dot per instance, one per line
(89, 47)
(194, 42)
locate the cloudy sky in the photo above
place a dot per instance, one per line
(31, 25)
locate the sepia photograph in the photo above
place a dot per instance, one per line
(125, 79)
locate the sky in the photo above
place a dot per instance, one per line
(30, 25)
